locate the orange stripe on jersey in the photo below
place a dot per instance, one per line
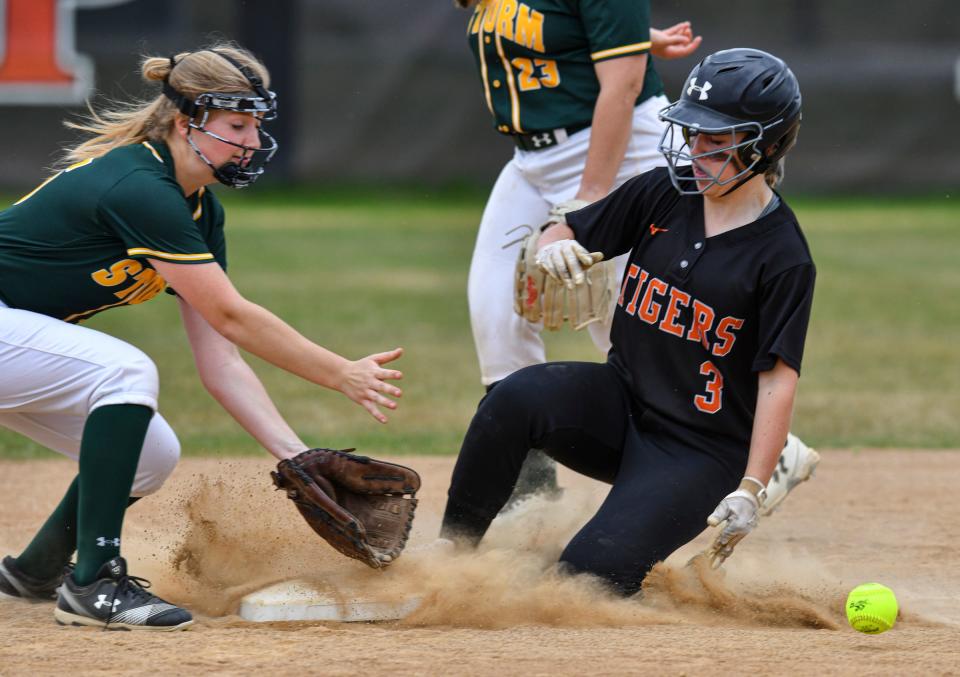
(143, 251)
(620, 51)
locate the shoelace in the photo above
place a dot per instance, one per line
(136, 586)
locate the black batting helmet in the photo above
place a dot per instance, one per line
(735, 90)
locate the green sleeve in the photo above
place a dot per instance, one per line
(616, 27)
(212, 229)
(149, 213)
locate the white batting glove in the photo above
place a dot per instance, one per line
(736, 515)
(565, 261)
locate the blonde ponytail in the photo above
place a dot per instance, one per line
(193, 73)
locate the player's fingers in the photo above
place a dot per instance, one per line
(389, 374)
(687, 49)
(674, 38)
(372, 408)
(719, 514)
(388, 356)
(585, 257)
(387, 388)
(574, 271)
(380, 400)
(558, 260)
(548, 267)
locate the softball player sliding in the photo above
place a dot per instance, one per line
(686, 419)
(574, 85)
(128, 217)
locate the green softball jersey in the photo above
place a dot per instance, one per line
(79, 243)
(537, 57)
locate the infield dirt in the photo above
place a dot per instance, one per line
(217, 531)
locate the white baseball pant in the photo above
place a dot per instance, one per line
(53, 374)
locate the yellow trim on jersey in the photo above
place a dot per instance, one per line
(483, 70)
(154, 151)
(198, 212)
(34, 191)
(508, 76)
(618, 51)
(143, 251)
(75, 165)
(88, 313)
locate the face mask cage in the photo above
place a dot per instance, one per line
(262, 103)
(675, 147)
(236, 174)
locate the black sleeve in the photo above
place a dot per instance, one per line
(612, 225)
(784, 314)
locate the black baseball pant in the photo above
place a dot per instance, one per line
(581, 414)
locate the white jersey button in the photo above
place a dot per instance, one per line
(684, 263)
(698, 245)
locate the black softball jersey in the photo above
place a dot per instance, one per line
(697, 318)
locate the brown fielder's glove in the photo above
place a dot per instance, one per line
(362, 507)
(538, 296)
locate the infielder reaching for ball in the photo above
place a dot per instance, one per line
(128, 217)
(574, 85)
(687, 417)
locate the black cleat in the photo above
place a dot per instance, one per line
(21, 585)
(116, 601)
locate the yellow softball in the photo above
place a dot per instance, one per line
(872, 608)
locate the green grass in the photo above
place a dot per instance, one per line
(364, 271)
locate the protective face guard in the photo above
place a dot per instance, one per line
(261, 103)
(678, 154)
(234, 174)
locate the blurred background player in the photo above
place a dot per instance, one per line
(129, 216)
(686, 419)
(575, 87)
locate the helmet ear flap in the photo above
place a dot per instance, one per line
(750, 155)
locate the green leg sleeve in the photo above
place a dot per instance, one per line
(109, 452)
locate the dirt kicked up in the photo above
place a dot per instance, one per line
(218, 531)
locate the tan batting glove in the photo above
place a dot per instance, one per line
(566, 261)
(736, 515)
(558, 213)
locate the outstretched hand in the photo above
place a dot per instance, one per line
(365, 382)
(674, 42)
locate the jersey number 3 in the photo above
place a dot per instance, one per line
(712, 401)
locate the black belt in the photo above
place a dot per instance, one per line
(551, 137)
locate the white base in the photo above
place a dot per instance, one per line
(297, 601)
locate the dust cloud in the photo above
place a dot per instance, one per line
(231, 547)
